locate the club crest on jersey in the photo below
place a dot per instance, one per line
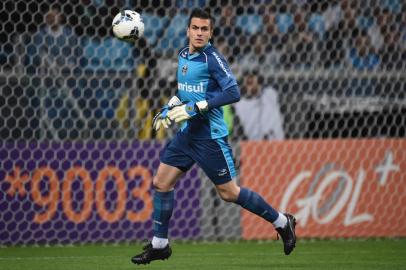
(184, 70)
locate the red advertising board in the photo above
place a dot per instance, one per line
(335, 188)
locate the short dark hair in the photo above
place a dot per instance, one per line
(201, 14)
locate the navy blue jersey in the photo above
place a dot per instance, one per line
(203, 76)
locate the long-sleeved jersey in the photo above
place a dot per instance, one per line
(205, 75)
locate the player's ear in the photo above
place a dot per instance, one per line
(187, 32)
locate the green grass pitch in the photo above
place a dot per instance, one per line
(309, 254)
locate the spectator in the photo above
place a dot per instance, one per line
(258, 111)
(301, 48)
(362, 54)
(285, 18)
(252, 57)
(53, 55)
(224, 48)
(190, 3)
(332, 15)
(250, 22)
(174, 35)
(228, 22)
(54, 47)
(391, 49)
(340, 32)
(276, 39)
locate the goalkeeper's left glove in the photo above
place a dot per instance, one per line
(186, 111)
(161, 118)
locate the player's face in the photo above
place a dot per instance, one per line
(251, 85)
(199, 33)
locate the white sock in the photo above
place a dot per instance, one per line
(281, 221)
(159, 242)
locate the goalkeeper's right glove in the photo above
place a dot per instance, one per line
(161, 118)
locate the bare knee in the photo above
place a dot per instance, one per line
(227, 196)
(228, 192)
(166, 178)
(160, 185)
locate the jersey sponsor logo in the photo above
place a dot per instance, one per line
(199, 88)
(221, 64)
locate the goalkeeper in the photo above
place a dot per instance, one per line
(205, 83)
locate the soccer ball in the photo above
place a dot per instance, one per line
(128, 25)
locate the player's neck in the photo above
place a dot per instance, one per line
(193, 49)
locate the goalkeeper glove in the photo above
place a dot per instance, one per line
(186, 111)
(161, 118)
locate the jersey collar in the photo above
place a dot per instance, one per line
(196, 54)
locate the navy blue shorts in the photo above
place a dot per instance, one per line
(214, 156)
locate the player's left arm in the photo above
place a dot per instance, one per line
(219, 70)
(228, 96)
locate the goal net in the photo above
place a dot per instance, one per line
(319, 131)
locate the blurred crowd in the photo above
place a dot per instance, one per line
(269, 34)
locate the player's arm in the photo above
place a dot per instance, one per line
(228, 96)
(219, 70)
(190, 109)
